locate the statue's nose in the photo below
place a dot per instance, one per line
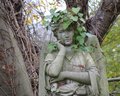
(66, 35)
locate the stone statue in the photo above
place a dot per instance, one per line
(69, 73)
(66, 72)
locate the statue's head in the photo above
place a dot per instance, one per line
(65, 36)
(63, 29)
(67, 26)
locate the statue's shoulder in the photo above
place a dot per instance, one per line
(91, 39)
(91, 36)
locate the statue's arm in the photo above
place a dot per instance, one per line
(55, 67)
(82, 77)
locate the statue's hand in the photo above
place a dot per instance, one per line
(59, 78)
(60, 46)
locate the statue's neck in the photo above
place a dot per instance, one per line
(69, 53)
(69, 50)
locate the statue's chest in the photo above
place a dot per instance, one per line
(74, 63)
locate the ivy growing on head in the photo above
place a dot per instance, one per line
(71, 19)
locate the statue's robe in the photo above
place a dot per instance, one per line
(74, 62)
(99, 59)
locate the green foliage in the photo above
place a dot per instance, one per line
(66, 24)
(111, 47)
(75, 10)
(52, 47)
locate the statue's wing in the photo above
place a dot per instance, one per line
(100, 62)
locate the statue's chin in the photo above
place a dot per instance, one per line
(68, 43)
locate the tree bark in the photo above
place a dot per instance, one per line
(14, 79)
(104, 18)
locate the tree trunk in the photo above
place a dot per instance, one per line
(14, 79)
(104, 18)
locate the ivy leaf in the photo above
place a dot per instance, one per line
(66, 24)
(79, 29)
(83, 34)
(74, 18)
(81, 19)
(80, 15)
(75, 10)
(80, 39)
(82, 48)
(66, 19)
(51, 47)
(83, 28)
(75, 48)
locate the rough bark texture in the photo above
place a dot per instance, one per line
(14, 79)
(12, 15)
(17, 5)
(104, 18)
(17, 53)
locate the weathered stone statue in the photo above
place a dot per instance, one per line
(73, 73)
(70, 73)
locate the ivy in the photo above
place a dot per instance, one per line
(66, 24)
(74, 18)
(52, 47)
(71, 19)
(75, 10)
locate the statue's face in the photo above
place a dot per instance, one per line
(65, 37)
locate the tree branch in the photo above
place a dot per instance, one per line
(114, 79)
